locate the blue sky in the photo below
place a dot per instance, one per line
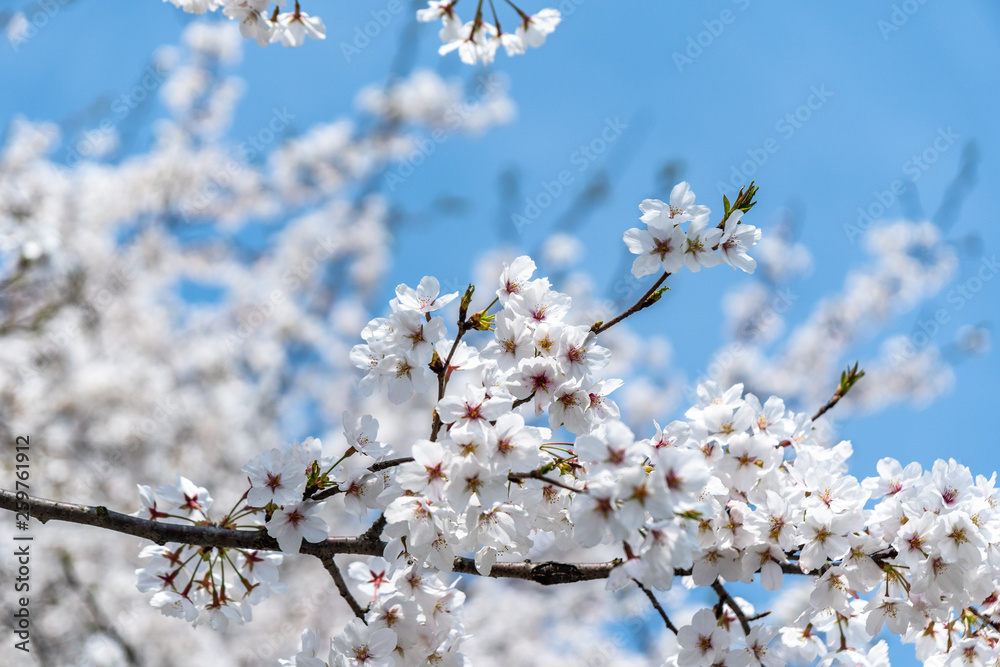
(893, 78)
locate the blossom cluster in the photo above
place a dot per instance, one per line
(738, 491)
(479, 39)
(190, 582)
(476, 41)
(258, 22)
(665, 244)
(413, 619)
(107, 391)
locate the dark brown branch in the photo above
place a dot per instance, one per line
(521, 401)
(338, 580)
(367, 544)
(161, 533)
(390, 463)
(829, 404)
(643, 302)
(725, 597)
(519, 477)
(100, 618)
(547, 573)
(326, 493)
(374, 532)
(657, 606)
(848, 379)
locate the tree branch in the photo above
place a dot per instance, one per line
(548, 573)
(390, 463)
(519, 477)
(657, 606)
(101, 619)
(725, 597)
(367, 544)
(847, 380)
(338, 579)
(643, 302)
(161, 533)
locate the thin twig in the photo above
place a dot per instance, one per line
(519, 477)
(643, 302)
(829, 404)
(374, 532)
(725, 597)
(338, 579)
(390, 463)
(327, 493)
(100, 618)
(848, 379)
(521, 401)
(367, 544)
(161, 533)
(548, 574)
(657, 606)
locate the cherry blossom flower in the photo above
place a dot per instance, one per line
(292, 28)
(423, 299)
(703, 641)
(700, 244)
(361, 434)
(514, 277)
(736, 240)
(274, 479)
(362, 646)
(657, 249)
(184, 496)
(290, 524)
(472, 415)
(534, 29)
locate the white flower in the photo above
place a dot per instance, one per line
(174, 604)
(360, 645)
(253, 24)
(594, 513)
(656, 248)
(184, 496)
(361, 433)
(514, 277)
(703, 641)
(428, 471)
(736, 240)
(423, 299)
(291, 524)
(436, 9)
(534, 29)
(309, 655)
(471, 416)
(292, 28)
(700, 244)
(274, 479)
(681, 208)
